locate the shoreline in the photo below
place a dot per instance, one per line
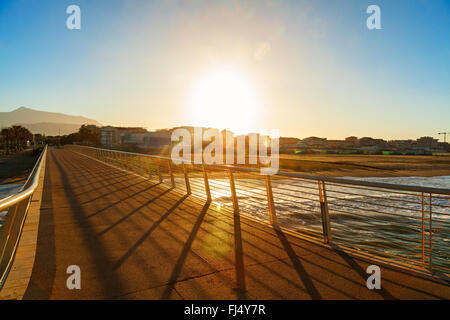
(366, 165)
(365, 174)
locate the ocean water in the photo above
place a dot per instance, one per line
(433, 182)
(364, 218)
(7, 190)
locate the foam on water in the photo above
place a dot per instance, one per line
(366, 218)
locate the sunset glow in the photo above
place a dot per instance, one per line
(224, 99)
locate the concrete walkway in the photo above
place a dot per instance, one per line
(137, 239)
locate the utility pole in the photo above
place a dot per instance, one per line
(445, 135)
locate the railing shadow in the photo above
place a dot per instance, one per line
(147, 233)
(97, 251)
(44, 268)
(298, 266)
(184, 253)
(239, 258)
(385, 294)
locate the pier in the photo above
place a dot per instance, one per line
(138, 229)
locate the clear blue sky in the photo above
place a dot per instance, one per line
(313, 66)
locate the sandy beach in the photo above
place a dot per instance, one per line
(367, 165)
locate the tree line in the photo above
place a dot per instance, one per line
(15, 138)
(85, 135)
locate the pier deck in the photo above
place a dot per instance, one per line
(137, 239)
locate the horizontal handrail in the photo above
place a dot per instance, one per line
(27, 189)
(300, 175)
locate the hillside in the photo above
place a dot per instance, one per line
(48, 123)
(52, 129)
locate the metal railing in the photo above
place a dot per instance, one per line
(406, 224)
(17, 207)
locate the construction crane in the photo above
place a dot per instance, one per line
(445, 135)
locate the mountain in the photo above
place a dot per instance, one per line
(52, 129)
(48, 123)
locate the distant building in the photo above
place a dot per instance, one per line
(133, 136)
(351, 139)
(314, 141)
(109, 136)
(367, 142)
(335, 144)
(427, 142)
(444, 146)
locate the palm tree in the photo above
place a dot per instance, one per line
(16, 136)
(15, 133)
(6, 137)
(22, 135)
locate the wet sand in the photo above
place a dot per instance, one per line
(366, 165)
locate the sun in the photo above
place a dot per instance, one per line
(225, 100)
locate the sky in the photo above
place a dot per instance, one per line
(306, 68)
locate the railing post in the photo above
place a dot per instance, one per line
(233, 193)
(127, 161)
(186, 179)
(141, 167)
(8, 225)
(150, 169)
(324, 211)
(158, 168)
(423, 230)
(205, 178)
(172, 180)
(270, 202)
(431, 234)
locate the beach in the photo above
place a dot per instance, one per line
(366, 165)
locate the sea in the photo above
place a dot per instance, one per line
(6, 190)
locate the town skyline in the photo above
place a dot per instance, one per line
(163, 140)
(33, 129)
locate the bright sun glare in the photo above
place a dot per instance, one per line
(224, 100)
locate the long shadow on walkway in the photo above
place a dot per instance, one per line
(306, 279)
(184, 253)
(95, 248)
(147, 233)
(44, 269)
